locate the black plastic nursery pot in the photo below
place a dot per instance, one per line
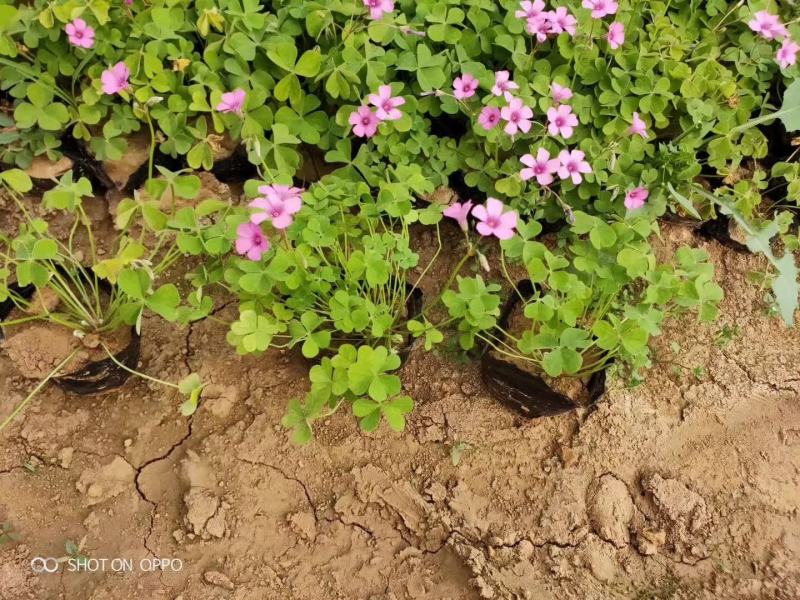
(96, 377)
(719, 229)
(526, 393)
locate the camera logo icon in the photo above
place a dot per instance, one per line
(44, 565)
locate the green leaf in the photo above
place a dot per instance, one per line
(786, 288)
(309, 63)
(17, 180)
(164, 301)
(602, 235)
(45, 249)
(789, 113)
(135, 283)
(190, 386)
(685, 203)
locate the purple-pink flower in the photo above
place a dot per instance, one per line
(364, 121)
(517, 115)
(251, 241)
(489, 117)
(768, 26)
(386, 105)
(561, 121)
(115, 79)
(639, 127)
(278, 205)
(529, 9)
(560, 93)
(493, 221)
(542, 167)
(787, 53)
(459, 211)
(80, 34)
(540, 26)
(503, 84)
(464, 87)
(232, 102)
(561, 20)
(601, 8)
(378, 7)
(573, 165)
(636, 197)
(616, 35)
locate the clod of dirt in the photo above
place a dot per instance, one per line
(205, 511)
(44, 300)
(205, 514)
(220, 399)
(218, 579)
(600, 559)
(649, 541)
(610, 509)
(137, 153)
(683, 513)
(441, 195)
(106, 482)
(38, 349)
(65, 457)
(43, 168)
(303, 524)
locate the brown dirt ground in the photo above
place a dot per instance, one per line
(681, 488)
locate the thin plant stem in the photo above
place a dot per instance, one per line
(38, 388)
(137, 373)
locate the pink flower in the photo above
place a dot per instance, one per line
(80, 34)
(464, 87)
(561, 20)
(542, 167)
(530, 9)
(573, 165)
(503, 84)
(378, 7)
(364, 121)
(386, 104)
(278, 205)
(540, 26)
(459, 212)
(768, 26)
(518, 116)
(787, 53)
(601, 8)
(251, 241)
(232, 102)
(493, 221)
(560, 93)
(489, 117)
(636, 197)
(616, 35)
(282, 192)
(128, 2)
(561, 121)
(115, 79)
(639, 127)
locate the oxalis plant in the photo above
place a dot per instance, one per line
(95, 296)
(598, 296)
(631, 94)
(326, 270)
